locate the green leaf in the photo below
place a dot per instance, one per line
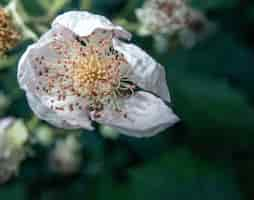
(211, 109)
(12, 191)
(107, 188)
(214, 4)
(53, 6)
(179, 175)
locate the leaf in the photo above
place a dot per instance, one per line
(53, 6)
(179, 175)
(176, 176)
(12, 191)
(7, 62)
(218, 57)
(212, 90)
(214, 4)
(212, 110)
(107, 188)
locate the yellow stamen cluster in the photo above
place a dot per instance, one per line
(93, 77)
(9, 36)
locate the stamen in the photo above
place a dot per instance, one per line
(89, 68)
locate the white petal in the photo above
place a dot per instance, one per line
(146, 115)
(145, 71)
(84, 23)
(38, 100)
(54, 118)
(25, 68)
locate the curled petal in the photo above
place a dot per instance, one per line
(145, 71)
(143, 115)
(84, 23)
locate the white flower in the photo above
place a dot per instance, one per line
(80, 71)
(162, 16)
(172, 22)
(13, 136)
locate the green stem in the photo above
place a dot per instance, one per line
(130, 26)
(32, 124)
(12, 9)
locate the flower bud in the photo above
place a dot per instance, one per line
(44, 135)
(9, 36)
(13, 136)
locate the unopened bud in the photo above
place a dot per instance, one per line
(13, 136)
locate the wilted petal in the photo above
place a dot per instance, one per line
(142, 115)
(145, 71)
(84, 23)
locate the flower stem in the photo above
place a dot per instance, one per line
(12, 9)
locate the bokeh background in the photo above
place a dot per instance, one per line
(208, 156)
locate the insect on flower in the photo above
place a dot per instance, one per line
(81, 71)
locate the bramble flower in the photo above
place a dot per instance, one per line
(162, 16)
(9, 36)
(172, 22)
(65, 158)
(13, 136)
(80, 71)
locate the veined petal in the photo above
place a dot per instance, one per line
(84, 23)
(142, 115)
(145, 71)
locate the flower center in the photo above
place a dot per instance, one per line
(88, 68)
(95, 77)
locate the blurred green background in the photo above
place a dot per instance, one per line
(208, 156)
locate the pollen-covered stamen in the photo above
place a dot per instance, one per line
(87, 67)
(95, 77)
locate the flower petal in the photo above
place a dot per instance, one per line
(84, 23)
(66, 112)
(143, 115)
(145, 72)
(55, 118)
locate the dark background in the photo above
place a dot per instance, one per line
(208, 156)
